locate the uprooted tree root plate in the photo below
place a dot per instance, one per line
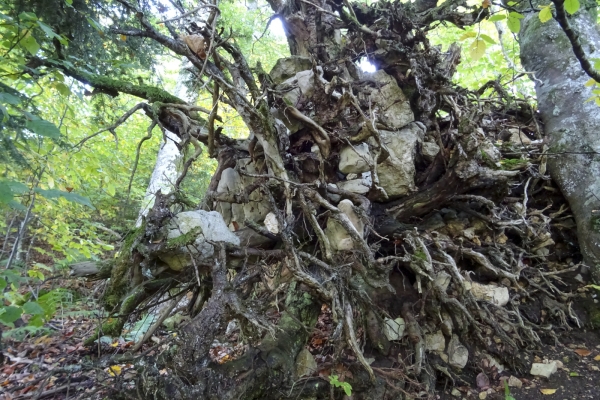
(467, 280)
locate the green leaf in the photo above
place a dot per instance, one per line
(487, 38)
(16, 205)
(111, 189)
(5, 114)
(467, 35)
(513, 22)
(36, 320)
(28, 15)
(2, 284)
(48, 31)
(511, 3)
(33, 308)
(571, 6)
(9, 188)
(43, 128)
(73, 197)
(69, 3)
(62, 88)
(6, 194)
(497, 17)
(95, 25)
(477, 49)
(574, 374)
(30, 44)
(10, 314)
(9, 98)
(591, 82)
(545, 14)
(347, 388)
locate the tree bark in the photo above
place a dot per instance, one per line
(571, 122)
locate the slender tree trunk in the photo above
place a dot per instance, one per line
(169, 159)
(571, 122)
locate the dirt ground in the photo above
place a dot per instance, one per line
(578, 378)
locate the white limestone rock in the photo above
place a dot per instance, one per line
(397, 172)
(458, 355)
(393, 329)
(288, 67)
(210, 227)
(361, 185)
(305, 364)
(513, 381)
(545, 370)
(435, 342)
(429, 151)
(494, 294)
(302, 84)
(352, 159)
(271, 223)
(390, 104)
(231, 181)
(337, 234)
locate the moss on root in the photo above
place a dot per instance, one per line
(119, 282)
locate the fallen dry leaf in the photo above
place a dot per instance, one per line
(583, 352)
(597, 358)
(548, 391)
(114, 370)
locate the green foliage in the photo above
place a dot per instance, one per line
(546, 13)
(571, 6)
(507, 395)
(345, 386)
(514, 21)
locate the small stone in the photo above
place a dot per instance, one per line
(355, 159)
(514, 382)
(469, 233)
(559, 364)
(232, 326)
(393, 329)
(435, 342)
(271, 223)
(355, 186)
(543, 252)
(455, 392)
(305, 364)
(519, 138)
(495, 363)
(458, 355)
(494, 294)
(430, 150)
(545, 370)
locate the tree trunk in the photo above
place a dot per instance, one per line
(571, 122)
(169, 159)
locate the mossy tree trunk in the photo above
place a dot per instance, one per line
(571, 120)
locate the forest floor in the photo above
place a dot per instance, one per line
(54, 364)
